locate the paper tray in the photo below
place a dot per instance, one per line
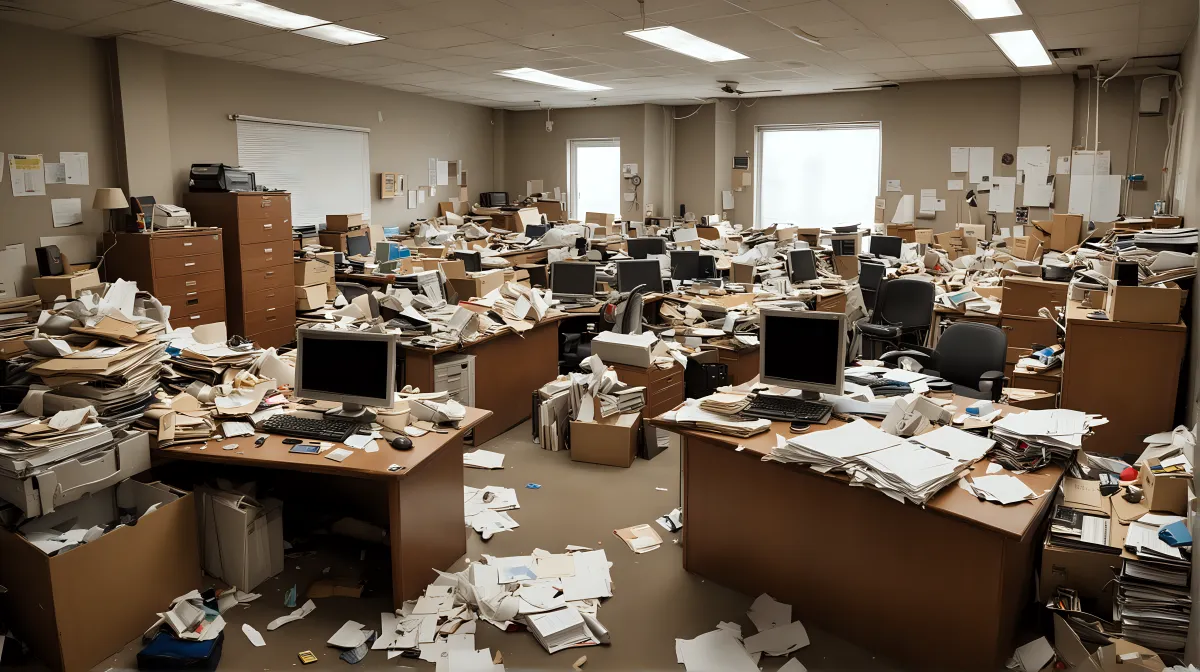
(65, 481)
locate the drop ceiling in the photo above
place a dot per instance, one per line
(449, 49)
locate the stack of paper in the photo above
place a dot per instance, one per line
(725, 404)
(1181, 236)
(18, 318)
(693, 416)
(483, 459)
(1154, 604)
(909, 471)
(1034, 439)
(561, 629)
(639, 538)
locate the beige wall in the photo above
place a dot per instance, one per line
(1047, 118)
(726, 141)
(56, 99)
(695, 152)
(144, 133)
(653, 193)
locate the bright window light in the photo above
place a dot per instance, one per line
(257, 12)
(539, 77)
(670, 37)
(989, 9)
(818, 175)
(331, 32)
(1023, 48)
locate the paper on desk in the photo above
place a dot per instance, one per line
(778, 641)
(765, 613)
(902, 376)
(338, 455)
(1003, 488)
(956, 444)
(253, 635)
(72, 419)
(358, 441)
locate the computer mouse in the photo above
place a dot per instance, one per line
(402, 443)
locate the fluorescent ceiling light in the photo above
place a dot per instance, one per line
(257, 12)
(989, 9)
(670, 37)
(331, 32)
(1023, 48)
(539, 77)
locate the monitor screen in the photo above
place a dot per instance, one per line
(535, 231)
(886, 246)
(472, 261)
(870, 275)
(685, 264)
(343, 365)
(572, 277)
(640, 248)
(802, 348)
(632, 273)
(356, 245)
(708, 266)
(803, 265)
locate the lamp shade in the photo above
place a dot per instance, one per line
(110, 199)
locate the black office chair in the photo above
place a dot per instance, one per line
(969, 355)
(903, 315)
(621, 313)
(870, 279)
(352, 290)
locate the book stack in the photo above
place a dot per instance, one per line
(561, 629)
(1084, 530)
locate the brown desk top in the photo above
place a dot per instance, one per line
(274, 454)
(463, 348)
(1015, 520)
(1077, 313)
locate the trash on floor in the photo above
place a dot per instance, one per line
(484, 509)
(671, 522)
(296, 615)
(725, 649)
(639, 538)
(483, 459)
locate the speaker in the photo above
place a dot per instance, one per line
(1126, 273)
(49, 260)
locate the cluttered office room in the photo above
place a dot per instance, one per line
(599, 335)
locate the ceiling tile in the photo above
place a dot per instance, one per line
(925, 30)
(79, 10)
(863, 48)
(1124, 17)
(280, 43)
(1172, 34)
(282, 63)
(977, 72)
(1120, 37)
(967, 60)
(959, 45)
(92, 29)
(895, 11)
(806, 13)
(493, 49)
(760, 5)
(48, 21)
(445, 37)
(1161, 48)
(706, 9)
(189, 23)
(360, 62)
(912, 75)
(402, 69)
(628, 9)
(210, 50)
(155, 39)
(250, 56)
(886, 65)
(344, 9)
(1161, 13)
(314, 69)
(779, 76)
(398, 23)
(1052, 7)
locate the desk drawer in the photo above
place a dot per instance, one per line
(1024, 333)
(274, 277)
(665, 377)
(181, 285)
(264, 231)
(183, 246)
(275, 337)
(196, 302)
(263, 255)
(272, 297)
(199, 317)
(669, 397)
(272, 207)
(271, 318)
(190, 265)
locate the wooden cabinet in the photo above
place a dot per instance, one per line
(1026, 333)
(664, 387)
(182, 268)
(1125, 371)
(257, 251)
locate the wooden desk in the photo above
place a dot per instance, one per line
(854, 561)
(537, 255)
(424, 497)
(1125, 371)
(508, 368)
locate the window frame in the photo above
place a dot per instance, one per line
(573, 191)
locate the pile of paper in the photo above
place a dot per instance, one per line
(725, 404)
(483, 459)
(726, 650)
(639, 538)
(692, 415)
(999, 488)
(196, 616)
(28, 442)
(1181, 236)
(1033, 439)
(485, 509)
(177, 420)
(18, 319)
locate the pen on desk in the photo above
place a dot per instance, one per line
(262, 438)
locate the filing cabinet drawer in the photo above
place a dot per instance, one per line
(1025, 332)
(196, 302)
(190, 265)
(275, 337)
(264, 231)
(264, 255)
(261, 299)
(183, 246)
(271, 318)
(667, 396)
(179, 285)
(199, 317)
(275, 277)
(273, 207)
(666, 377)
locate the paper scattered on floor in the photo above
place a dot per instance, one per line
(483, 459)
(484, 509)
(793, 665)
(253, 635)
(779, 641)
(349, 636)
(714, 651)
(765, 613)
(639, 538)
(1034, 655)
(671, 522)
(305, 609)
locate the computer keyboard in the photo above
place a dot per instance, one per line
(325, 429)
(788, 409)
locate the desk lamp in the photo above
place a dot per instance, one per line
(110, 199)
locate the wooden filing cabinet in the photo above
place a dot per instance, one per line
(1025, 333)
(257, 230)
(182, 268)
(743, 364)
(664, 387)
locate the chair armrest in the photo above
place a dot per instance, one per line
(924, 358)
(991, 383)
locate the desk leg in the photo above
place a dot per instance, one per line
(426, 521)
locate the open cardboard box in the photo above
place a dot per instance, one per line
(1120, 656)
(611, 441)
(1164, 492)
(1145, 304)
(50, 287)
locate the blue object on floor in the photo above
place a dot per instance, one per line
(533, 486)
(1176, 534)
(168, 652)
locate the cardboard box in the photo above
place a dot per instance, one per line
(923, 236)
(343, 223)
(1027, 248)
(311, 272)
(77, 608)
(1148, 304)
(846, 267)
(473, 285)
(1088, 572)
(241, 539)
(312, 297)
(50, 287)
(631, 349)
(1167, 221)
(1064, 231)
(976, 231)
(1163, 492)
(338, 240)
(612, 440)
(1024, 296)
(603, 218)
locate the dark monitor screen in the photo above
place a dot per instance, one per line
(685, 265)
(708, 266)
(632, 273)
(357, 368)
(572, 277)
(472, 261)
(535, 230)
(802, 350)
(802, 265)
(356, 245)
(640, 248)
(886, 246)
(870, 275)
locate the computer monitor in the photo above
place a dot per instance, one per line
(581, 245)
(472, 261)
(356, 245)
(708, 266)
(887, 246)
(803, 349)
(802, 265)
(573, 278)
(353, 367)
(536, 231)
(685, 264)
(635, 272)
(640, 248)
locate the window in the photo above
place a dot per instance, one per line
(595, 175)
(326, 168)
(818, 175)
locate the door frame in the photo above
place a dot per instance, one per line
(572, 189)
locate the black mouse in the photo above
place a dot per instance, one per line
(402, 443)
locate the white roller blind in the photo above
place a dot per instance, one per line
(327, 169)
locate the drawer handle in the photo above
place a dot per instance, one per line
(270, 309)
(267, 250)
(187, 244)
(192, 302)
(192, 293)
(189, 263)
(271, 296)
(193, 317)
(286, 221)
(266, 203)
(270, 317)
(266, 226)
(189, 283)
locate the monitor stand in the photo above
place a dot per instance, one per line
(808, 395)
(355, 412)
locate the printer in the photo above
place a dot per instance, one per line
(220, 177)
(165, 216)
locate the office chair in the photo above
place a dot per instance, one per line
(352, 290)
(902, 316)
(969, 355)
(621, 313)
(870, 279)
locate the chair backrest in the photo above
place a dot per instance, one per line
(870, 277)
(352, 290)
(905, 302)
(967, 350)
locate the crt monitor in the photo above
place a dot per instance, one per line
(803, 349)
(353, 367)
(802, 265)
(635, 272)
(356, 245)
(573, 278)
(535, 231)
(870, 275)
(887, 246)
(685, 264)
(640, 248)
(472, 261)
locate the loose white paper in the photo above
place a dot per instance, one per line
(929, 200)
(960, 159)
(1033, 164)
(26, 174)
(76, 164)
(1039, 195)
(56, 173)
(904, 210)
(982, 161)
(1064, 166)
(1087, 162)
(1098, 199)
(1003, 194)
(421, 195)
(253, 635)
(954, 185)
(412, 200)
(893, 185)
(443, 172)
(66, 211)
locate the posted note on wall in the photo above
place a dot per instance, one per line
(66, 211)
(76, 165)
(26, 174)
